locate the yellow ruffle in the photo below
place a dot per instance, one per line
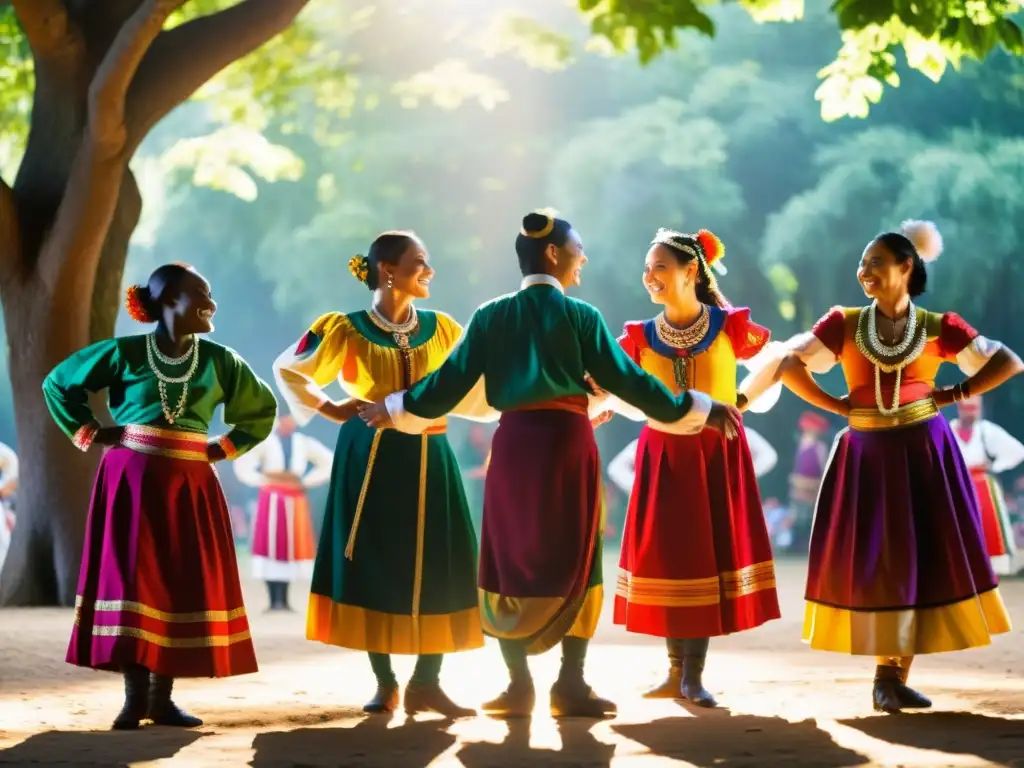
(970, 623)
(360, 629)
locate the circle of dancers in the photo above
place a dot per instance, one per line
(908, 520)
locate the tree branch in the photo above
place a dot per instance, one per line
(183, 59)
(46, 25)
(8, 229)
(71, 251)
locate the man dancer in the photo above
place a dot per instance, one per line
(988, 450)
(283, 467)
(540, 566)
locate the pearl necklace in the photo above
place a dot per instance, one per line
(399, 331)
(153, 354)
(872, 348)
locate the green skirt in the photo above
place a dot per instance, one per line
(395, 571)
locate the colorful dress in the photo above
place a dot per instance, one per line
(540, 561)
(988, 450)
(898, 564)
(283, 547)
(804, 482)
(8, 476)
(159, 582)
(696, 558)
(395, 571)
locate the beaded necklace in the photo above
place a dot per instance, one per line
(683, 339)
(889, 358)
(153, 354)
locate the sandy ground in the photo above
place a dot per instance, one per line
(782, 705)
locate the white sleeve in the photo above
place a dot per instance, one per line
(322, 459)
(622, 468)
(973, 357)
(474, 406)
(764, 367)
(247, 467)
(695, 419)
(8, 464)
(1006, 450)
(402, 420)
(764, 456)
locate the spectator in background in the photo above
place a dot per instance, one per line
(804, 481)
(8, 485)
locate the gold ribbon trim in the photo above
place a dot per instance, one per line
(871, 420)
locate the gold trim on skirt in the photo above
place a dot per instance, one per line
(871, 420)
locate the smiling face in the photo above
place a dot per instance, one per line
(880, 275)
(412, 274)
(188, 305)
(666, 279)
(566, 262)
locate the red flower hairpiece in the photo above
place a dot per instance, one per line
(135, 306)
(711, 245)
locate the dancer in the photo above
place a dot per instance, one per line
(696, 558)
(540, 574)
(804, 481)
(395, 570)
(8, 485)
(159, 595)
(622, 469)
(282, 537)
(988, 450)
(898, 565)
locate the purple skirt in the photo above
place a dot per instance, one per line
(898, 563)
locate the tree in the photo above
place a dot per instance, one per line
(933, 34)
(105, 72)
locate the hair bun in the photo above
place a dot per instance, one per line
(359, 266)
(136, 299)
(925, 236)
(537, 225)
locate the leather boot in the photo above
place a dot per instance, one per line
(885, 695)
(384, 701)
(430, 697)
(909, 698)
(136, 693)
(670, 688)
(515, 701)
(163, 711)
(692, 688)
(572, 697)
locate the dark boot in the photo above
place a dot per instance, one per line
(136, 698)
(570, 695)
(282, 597)
(885, 696)
(672, 686)
(430, 697)
(384, 701)
(163, 711)
(694, 655)
(909, 698)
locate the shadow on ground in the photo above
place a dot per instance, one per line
(994, 739)
(99, 748)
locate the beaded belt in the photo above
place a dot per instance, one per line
(573, 404)
(871, 420)
(158, 441)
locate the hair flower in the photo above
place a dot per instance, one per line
(359, 266)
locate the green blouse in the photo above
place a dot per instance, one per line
(121, 367)
(536, 345)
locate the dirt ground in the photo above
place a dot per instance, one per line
(782, 705)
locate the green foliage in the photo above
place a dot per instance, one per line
(933, 34)
(16, 85)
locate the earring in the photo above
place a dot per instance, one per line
(391, 282)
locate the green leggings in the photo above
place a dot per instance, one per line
(574, 654)
(426, 672)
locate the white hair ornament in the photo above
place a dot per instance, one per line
(926, 238)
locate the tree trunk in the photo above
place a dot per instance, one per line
(56, 479)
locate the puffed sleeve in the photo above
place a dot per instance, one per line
(249, 406)
(747, 337)
(960, 343)
(304, 369)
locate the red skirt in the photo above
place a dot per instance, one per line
(992, 514)
(159, 582)
(696, 557)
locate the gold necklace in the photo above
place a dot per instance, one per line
(683, 338)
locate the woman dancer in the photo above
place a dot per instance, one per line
(898, 565)
(396, 568)
(700, 568)
(158, 594)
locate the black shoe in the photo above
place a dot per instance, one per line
(384, 701)
(162, 710)
(670, 688)
(136, 699)
(692, 687)
(430, 697)
(885, 694)
(517, 700)
(574, 698)
(911, 699)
